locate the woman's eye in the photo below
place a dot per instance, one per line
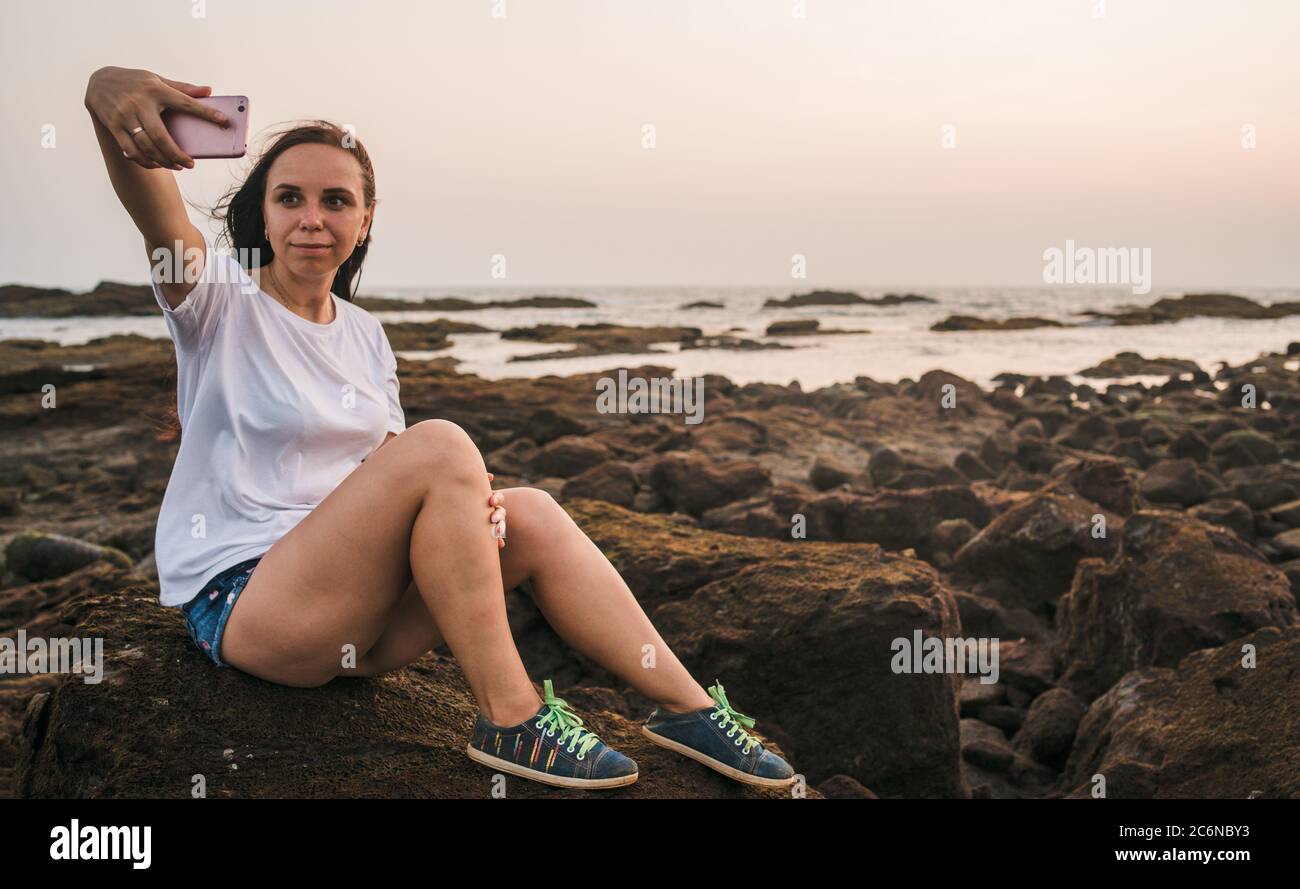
(342, 201)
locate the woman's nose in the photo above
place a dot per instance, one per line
(311, 217)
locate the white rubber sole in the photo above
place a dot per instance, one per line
(719, 767)
(505, 765)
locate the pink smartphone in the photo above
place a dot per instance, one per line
(203, 138)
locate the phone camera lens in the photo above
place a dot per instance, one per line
(241, 107)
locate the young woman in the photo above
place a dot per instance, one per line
(351, 544)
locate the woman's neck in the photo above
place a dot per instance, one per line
(304, 298)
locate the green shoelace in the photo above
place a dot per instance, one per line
(728, 716)
(558, 715)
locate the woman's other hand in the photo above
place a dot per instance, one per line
(123, 99)
(497, 518)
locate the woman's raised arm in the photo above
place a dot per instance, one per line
(120, 100)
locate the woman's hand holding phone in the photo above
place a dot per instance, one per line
(129, 102)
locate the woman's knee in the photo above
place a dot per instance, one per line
(443, 450)
(530, 508)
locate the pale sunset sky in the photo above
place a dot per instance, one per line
(780, 128)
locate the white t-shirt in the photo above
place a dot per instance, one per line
(275, 412)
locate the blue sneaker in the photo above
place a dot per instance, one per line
(551, 747)
(716, 736)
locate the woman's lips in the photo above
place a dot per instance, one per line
(310, 250)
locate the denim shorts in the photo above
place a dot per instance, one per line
(206, 614)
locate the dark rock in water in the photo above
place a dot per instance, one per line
(1192, 305)
(969, 322)
(1049, 728)
(1034, 546)
(598, 339)
(1207, 729)
(52, 362)
(816, 298)
(38, 556)
(106, 299)
(1176, 585)
(427, 336)
(803, 327)
(1190, 445)
(897, 299)
(727, 341)
(457, 304)
(703, 304)
(693, 483)
(1131, 364)
(1054, 385)
(792, 328)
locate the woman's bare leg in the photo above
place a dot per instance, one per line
(578, 591)
(413, 509)
(583, 597)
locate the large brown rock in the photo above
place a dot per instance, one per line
(1177, 481)
(1209, 728)
(800, 633)
(1034, 546)
(693, 483)
(571, 455)
(894, 519)
(163, 714)
(1176, 585)
(1102, 480)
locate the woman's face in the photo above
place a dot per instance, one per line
(315, 208)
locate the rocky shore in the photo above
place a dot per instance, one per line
(1133, 547)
